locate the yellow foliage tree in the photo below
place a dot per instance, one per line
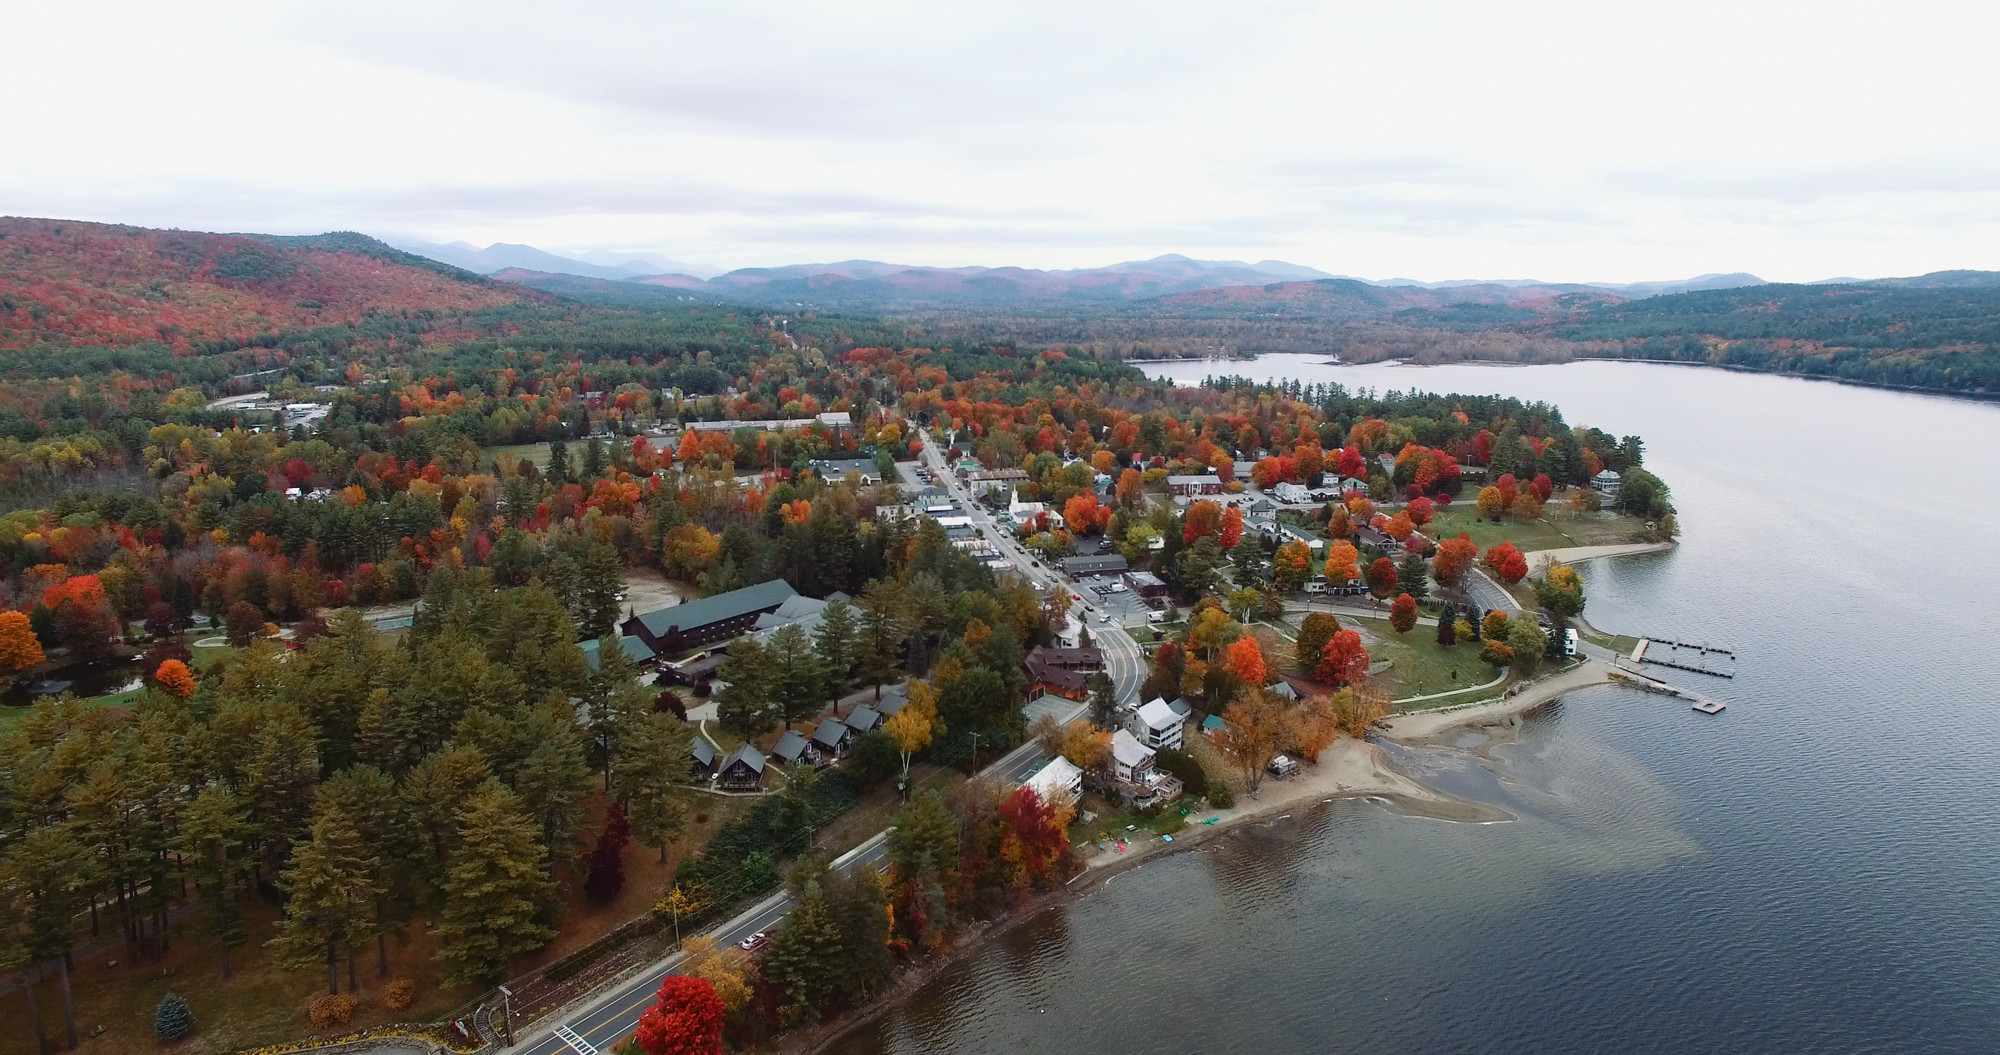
(19, 648)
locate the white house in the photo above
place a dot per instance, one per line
(1021, 512)
(1289, 492)
(1131, 760)
(1157, 726)
(1060, 780)
(1607, 481)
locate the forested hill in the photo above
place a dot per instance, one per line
(67, 284)
(1940, 334)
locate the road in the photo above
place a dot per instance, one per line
(609, 1019)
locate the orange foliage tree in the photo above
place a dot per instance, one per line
(1343, 562)
(19, 648)
(1246, 660)
(1232, 527)
(1204, 518)
(1453, 557)
(175, 677)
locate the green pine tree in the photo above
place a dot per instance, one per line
(553, 780)
(653, 760)
(213, 836)
(173, 1019)
(835, 644)
(558, 471)
(497, 894)
(332, 885)
(806, 956)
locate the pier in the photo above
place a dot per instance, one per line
(1645, 652)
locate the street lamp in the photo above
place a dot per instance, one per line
(507, 1013)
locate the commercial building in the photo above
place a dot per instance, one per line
(683, 626)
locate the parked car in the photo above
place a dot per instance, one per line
(754, 942)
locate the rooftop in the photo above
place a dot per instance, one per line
(721, 607)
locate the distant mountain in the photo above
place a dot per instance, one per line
(503, 255)
(66, 283)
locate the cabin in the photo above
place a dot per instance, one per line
(703, 765)
(830, 740)
(864, 720)
(790, 748)
(743, 770)
(1136, 776)
(684, 626)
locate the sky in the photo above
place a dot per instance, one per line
(1543, 139)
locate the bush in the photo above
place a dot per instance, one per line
(1497, 653)
(873, 758)
(1220, 796)
(172, 1020)
(330, 1011)
(398, 995)
(1184, 767)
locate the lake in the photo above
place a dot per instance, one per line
(1816, 869)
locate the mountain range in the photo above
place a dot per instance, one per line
(874, 283)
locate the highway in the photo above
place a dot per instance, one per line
(606, 1020)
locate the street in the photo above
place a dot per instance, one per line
(612, 1017)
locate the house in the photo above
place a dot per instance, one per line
(1291, 493)
(967, 466)
(719, 618)
(1157, 726)
(790, 747)
(694, 671)
(1145, 584)
(1607, 482)
(986, 480)
(864, 719)
(1282, 690)
(743, 770)
(1131, 760)
(1092, 567)
(1060, 780)
(1021, 512)
(838, 468)
(1062, 672)
(636, 651)
(1136, 776)
(703, 765)
(891, 699)
(1212, 726)
(830, 739)
(836, 419)
(1206, 484)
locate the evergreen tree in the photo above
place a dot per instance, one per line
(655, 759)
(497, 895)
(554, 779)
(1447, 634)
(747, 704)
(1413, 576)
(331, 881)
(1103, 699)
(593, 461)
(558, 472)
(52, 872)
(368, 796)
(433, 794)
(600, 578)
(806, 957)
(213, 837)
(925, 831)
(859, 904)
(834, 645)
(1475, 617)
(798, 678)
(172, 1019)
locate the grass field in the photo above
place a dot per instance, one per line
(1420, 665)
(1558, 532)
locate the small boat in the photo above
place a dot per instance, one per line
(1708, 706)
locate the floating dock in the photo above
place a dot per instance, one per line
(1708, 706)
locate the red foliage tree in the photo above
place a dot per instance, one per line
(1507, 562)
(1542, 486)
(1246, 660)
(686, 1019)
(1344, 661)
(1510, 489)
(1421, 510)
(1382, 577)
(1232, 527)
(1204, 518)
(1036, 826)
(1350, 464)
(607, 862)
(1403, 613)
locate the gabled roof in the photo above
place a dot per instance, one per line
(831, 732)
(747, 755)
(704, 752)
(894, 698)
(721, 607)
(1129, 752)
(635, 650)
(1284, 688)
(1181, 706)
(789, 747)
(1157, 715)
(863, 718)
(1059, 773)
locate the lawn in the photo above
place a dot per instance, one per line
(537, 453)
(1550, 532)
(1420, 665)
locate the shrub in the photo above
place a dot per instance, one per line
(1497, 653)
(330, 1011)
(1220, 796)
(398, 994)
(172, 1020)
(1184, 767)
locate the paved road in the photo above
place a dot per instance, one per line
(610, 1018)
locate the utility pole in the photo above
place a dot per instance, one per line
(507, 1014)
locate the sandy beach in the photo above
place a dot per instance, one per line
(1539, 560)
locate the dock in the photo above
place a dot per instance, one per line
(1708, 706)
(1704, 704)
(1644, 652)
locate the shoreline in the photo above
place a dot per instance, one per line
(1539, 560)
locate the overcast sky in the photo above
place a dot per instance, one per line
(1562, 141)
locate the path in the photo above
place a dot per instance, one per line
(1426, 724)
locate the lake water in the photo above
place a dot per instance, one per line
(1816, 869)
